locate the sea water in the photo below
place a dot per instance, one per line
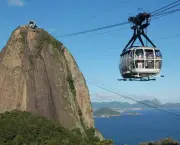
(150, 126)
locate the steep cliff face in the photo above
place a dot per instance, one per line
(38, 74)
(81, 89)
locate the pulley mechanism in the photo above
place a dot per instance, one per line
(140, 22)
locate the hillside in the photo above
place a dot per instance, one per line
(115, 104)
(17, 127)
(167, 141)
(106, 112)
(171, 105)
(38, 74)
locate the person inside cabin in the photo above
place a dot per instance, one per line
(139, 58)
(158, 55)
(157, 61)
(149, 62)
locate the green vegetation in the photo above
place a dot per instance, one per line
(23, 36)
(81, 117)
(51, 40)
(168, 141)
(71, 84)
(106, 111)
(24, 128)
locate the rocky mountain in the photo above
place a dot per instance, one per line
(106, 112)
(140, 104)
(38, 74)
(171, 105)
(113, 104)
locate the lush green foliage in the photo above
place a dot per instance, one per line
(168, 141)
(23, 128)
(105, 111)
(71, 84)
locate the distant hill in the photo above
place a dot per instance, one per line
(106, 112)
(166, 141)
(141, 104)
(113, 104)
(171, 105)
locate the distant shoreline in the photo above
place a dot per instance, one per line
(106, 116)
(110, 116)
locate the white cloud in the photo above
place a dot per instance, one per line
(18, 3)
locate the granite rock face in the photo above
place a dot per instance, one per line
(38, 74)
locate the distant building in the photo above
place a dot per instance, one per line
(32, 24)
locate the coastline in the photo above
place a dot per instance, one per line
(106, 116)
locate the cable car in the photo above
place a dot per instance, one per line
(140, 62)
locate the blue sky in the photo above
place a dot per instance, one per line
(98, 55)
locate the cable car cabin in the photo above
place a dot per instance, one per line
(139, 62)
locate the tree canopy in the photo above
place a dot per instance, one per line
(24, 128)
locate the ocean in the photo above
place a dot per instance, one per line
(131, 130)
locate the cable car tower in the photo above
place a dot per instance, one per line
(140, 62)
